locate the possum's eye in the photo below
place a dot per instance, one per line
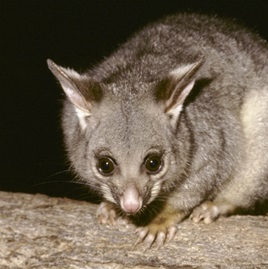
(106, 166)
(153, 164)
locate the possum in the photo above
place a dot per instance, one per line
(174, 124)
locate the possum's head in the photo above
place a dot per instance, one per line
(125, 143)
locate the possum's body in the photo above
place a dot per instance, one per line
(174, 123)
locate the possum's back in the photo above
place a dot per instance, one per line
(186, 38)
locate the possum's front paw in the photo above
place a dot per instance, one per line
(161, 229)
(155, 233)
(206, 212)
(210, 211)
(106, 213)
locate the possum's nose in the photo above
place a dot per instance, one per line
(130, 201)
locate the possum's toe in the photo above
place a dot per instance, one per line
(206, 212)
(153, 235)
(106, 214)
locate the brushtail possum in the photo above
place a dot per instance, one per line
(173, 124)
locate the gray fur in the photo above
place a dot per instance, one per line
(214, 148)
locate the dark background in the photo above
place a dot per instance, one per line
(77, 34)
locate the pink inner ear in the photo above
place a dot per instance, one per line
(77, 99)
(68, 79)
(182, 82)
(178, 97)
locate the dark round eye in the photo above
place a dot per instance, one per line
(105, 166)
(153, 164)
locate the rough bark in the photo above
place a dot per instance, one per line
(37, 231)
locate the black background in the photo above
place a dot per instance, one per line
(77, 34)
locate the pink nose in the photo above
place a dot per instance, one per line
(130, 201)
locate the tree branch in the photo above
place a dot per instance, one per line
(38, 231)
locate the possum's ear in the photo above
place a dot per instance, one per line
(174, 89)
(80, 90)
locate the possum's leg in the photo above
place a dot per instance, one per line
(250, 184)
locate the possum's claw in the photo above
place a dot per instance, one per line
(106, 213)
(161, 229)
(155, 234)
